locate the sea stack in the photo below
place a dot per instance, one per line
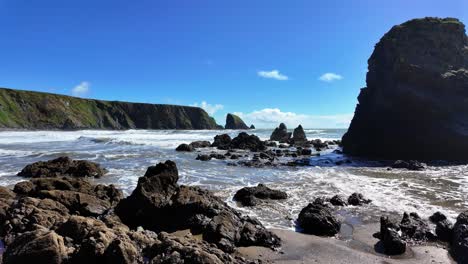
(415, 103)
(234, 122)
(281, 134)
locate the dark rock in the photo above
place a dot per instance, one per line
(77, 195)
(358, 199)
(437, 217)
(163, 205)
(63, 166)
(338, 201)
(249, 196)
(410, 165)
(299, 135)
(246, 141)
(234, 156)
(416, 94)
(184, 147)
(265, 156)
(317, 219)
(280, 134)
(252, 127)
(39, 246)
(306, 152)
(414, 228)
(217, 156)
(222, 141)
(283, 146)
(187, 249)
(389, 236)
(272, 144)
(200, 144)
(460, 238)
(318, 144)
(444, 230)
(203, 157)
(234, 122)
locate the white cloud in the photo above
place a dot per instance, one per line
(274, 74)
(209, 108)
(330, 77)
(81, 89)
(272, 117)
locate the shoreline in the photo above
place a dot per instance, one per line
(304, 248)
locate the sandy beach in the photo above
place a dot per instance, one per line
(303, 248)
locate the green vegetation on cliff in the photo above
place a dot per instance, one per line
(36, 110)
(234, 122)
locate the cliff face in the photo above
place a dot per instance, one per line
(234, 122)
(35, 110)
(415, 105)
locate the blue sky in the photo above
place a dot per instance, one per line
(270, 61)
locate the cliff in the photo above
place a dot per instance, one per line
(415, 103)
(36, 110)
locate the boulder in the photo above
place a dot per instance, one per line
(280, 134)
(460, 238)
(338, 200)
(158, 203)
(299, 135)
(417, 88)
(200, 144)
(222, 141)
(40, 246)
(62, 166)
(390, 238)
(246, 141)
(234, 122)
(318, 144)
(185, 148)
(409, 165)
(414, 228)
(444, 230)
(317, 219)
(203, 157)
(358, 199)
(252, 127)
(250, 196)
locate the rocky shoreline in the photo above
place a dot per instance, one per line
(60, 216)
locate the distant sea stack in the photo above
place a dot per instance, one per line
(234, 122)
(415, 105)
(35, 110)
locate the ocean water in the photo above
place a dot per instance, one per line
(127, 154)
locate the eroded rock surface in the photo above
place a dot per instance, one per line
(417, 88)
(158, 194)
(62, 166)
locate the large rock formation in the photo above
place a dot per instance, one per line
(158, 203)
(35, 110)
(414, 105)
(234, 122)
(299, 135)
(281, 134)
(70, 220)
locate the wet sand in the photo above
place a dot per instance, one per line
(302, 248)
